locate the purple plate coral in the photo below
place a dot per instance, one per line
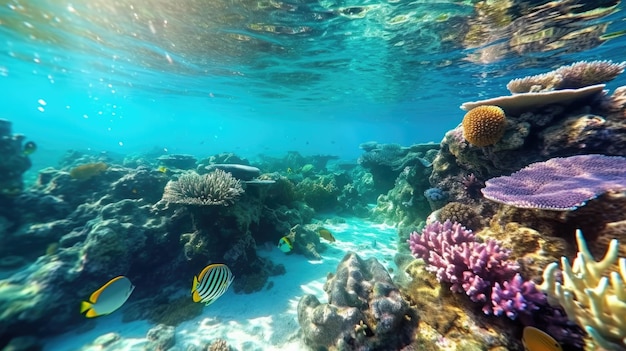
(560, 184)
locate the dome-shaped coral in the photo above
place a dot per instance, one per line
(461, 213)
(484, 125)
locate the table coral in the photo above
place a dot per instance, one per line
(577, 75)
(560, 184)
(591, 296)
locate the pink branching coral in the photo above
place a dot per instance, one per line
(480, 270)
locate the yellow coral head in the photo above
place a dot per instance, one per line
(484, 125)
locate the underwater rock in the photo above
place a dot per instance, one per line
(320, 193)
(141, 183)
(386, 161)
(218, 345)
(161, 337)
(306, 241)
(364, 311)
(404, 205)
(13, 161)
(179, 161)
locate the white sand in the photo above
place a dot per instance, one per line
(265, 320)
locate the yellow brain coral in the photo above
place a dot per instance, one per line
(484, 125)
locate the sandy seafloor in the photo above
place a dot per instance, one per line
(264, 320)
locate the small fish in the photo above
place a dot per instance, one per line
(326, 234)
(108, 298)
(284, 244)
(29, 148)
(211, 283)
(534, 339)
(289, 170)
(162, 169)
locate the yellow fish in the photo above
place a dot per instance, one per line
(534, 339)
(29, 148)
(284, 244)
(162, 169)
(326, 234)
(211, 283)
(108, 298)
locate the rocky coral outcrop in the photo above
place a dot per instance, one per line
(14, 162)
(365, 310)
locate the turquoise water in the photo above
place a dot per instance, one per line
(204, 77)
(262, 76)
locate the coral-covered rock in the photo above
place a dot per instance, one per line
(386, 161)
(161, 337)
(364, 311)
(461, 213)
(13, 161)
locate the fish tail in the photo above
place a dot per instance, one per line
(84, 306)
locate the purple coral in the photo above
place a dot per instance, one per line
(481, 270)
(472, 185)
(560, 184)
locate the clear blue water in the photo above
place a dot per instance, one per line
(252, 77)
(267, 76)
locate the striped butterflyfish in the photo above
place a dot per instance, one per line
(211, 283)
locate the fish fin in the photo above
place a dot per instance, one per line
(96, 294)
(84, 306)
(195, 296)
(194, 285)
(91, 313)
(209, 302)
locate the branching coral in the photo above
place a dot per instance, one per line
(591, 296)
(577, 75)
(215, 188)
(480, 270)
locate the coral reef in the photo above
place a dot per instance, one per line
(577, 75)
(591, 295)
(365, 310)
(461, 213)
(482, 271)
(579, 121)
(161, 337)
(178, 161)
(216, 188)
(88, 170)
(436, 198)
(320, 193)
(484, 125)
(386, 161)
(219, 345)
(241, 172)
(561, 184)
(13, 162)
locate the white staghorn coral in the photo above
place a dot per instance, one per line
(593, 300)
